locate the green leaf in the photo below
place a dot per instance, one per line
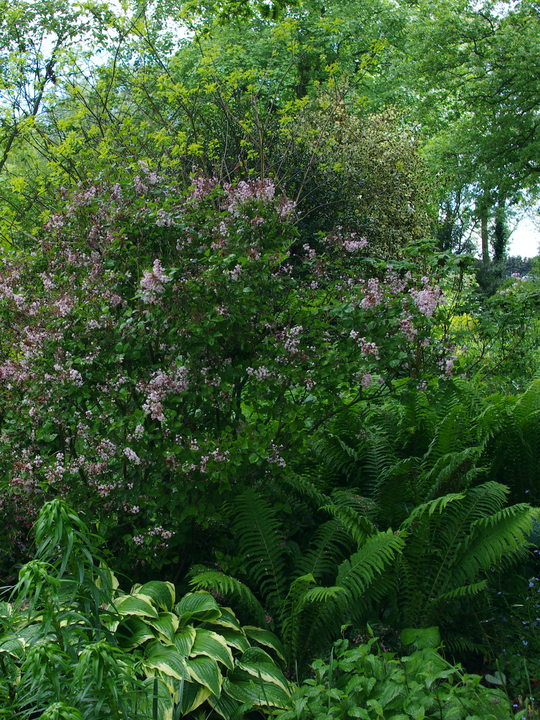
(166, 659)
(224, 705)
(212, 645)
(12, 646)
(235, 639)
(200, 605)
(257, 663)
(135, 605)
(267, 638)
(161, 593)
(166, 625)
(165, 700)
(422, 638)
(496, 679)
(184, 639)
(132, 632)
(205, 671)
(193, 696)
(250, 691)
(228, 619)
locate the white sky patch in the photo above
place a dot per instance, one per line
(525, 239)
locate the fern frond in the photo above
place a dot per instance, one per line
(262, 545)
(305, 489)
(357, 526)
(437, 505)
(463, 591)
(452, 472)
(379, 551)
(330, 544)
(499, 537)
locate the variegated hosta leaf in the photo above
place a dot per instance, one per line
(193, 695)
(12, 646)
(228, 619)
(165, 700)
(161, 593)
(265, 637)
(135, 605)
(166, 625)
(200, 605)
(6, 609)
(166, 659)
(132, 632)
(225, 705)
(235, 639)
(184, 639)
(247, 689)
(206, 672)
(258, 663)
(214, 646)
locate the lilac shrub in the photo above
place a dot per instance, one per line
(161, 350)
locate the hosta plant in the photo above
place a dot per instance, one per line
(73, 646)
(198, 651)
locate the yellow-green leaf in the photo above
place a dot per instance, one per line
(206, 672)
(162, 593)
(132, 632)
(135, 605)
(267, 638)
(166, 659)
(184, 639)
(212, 645)
(166, 625)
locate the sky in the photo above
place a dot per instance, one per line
(525, 240)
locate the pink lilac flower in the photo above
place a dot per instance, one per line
(153, 282)
(132, 455)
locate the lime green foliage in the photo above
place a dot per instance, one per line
(73, 646)
(361, 683)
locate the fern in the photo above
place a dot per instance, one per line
(451, 541)
(262, 545)
(330, 544)
(356, 574)
(357, 526)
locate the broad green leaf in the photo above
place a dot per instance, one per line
(135, 605)
(421, 637)
(12, 646)
(184, 639)
(213, 645)
(228, 619)
(166, 625)
(162, 593)
(193, 695)
(268, 672)
(165, 700)
(235, 639)
(251, 691)
(206, 672)
(265, 637)
(225, 705)
(200, 605)
(496, 679)
(132, 632)
(166, 659)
